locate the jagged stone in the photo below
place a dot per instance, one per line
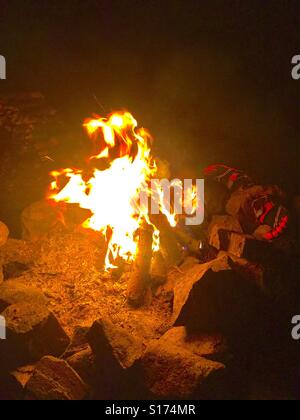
(14, 269)
(32, 332)
(175, 367)
(83, 362)
(114, 346)
(54, 379)
(12, 387)
(15, 291)
(185, 280)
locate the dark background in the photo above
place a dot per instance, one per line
(211, 80)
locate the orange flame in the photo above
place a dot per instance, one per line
(112, 195)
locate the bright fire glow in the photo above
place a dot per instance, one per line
(112, 195)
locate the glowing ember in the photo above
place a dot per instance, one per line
(113, 194)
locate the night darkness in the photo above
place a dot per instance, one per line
(212, 82)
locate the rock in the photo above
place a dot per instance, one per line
(176, 368)
(225, 233)
(16, 257)
(32, 332)
(249, 270)
(42, 217)
(83, 362)
(116, 350)
(158, 272)
(79, 342)
(14, 269)
(14, 291)
(185, 282)
(114, 346)
(79, 355)
(54, 379)
(4, 232)
(229, 303)
(13, 385)
(212, 347)
(38, 220)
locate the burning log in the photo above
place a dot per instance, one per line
(140, 277)
(170, 247)
(158, 270)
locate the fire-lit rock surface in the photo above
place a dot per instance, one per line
(67, 269)
(32, 332)
(179, 368)
(112, 344)
(13, 385)
(83, 362)
(139, 346)
(185, 280)
(226, 309)
(14, 291)
(54, 379)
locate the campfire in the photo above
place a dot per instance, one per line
(119, 187)
(113, 194)
(109, 294)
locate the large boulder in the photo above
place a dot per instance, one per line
(177, 367)
(14, 291)
(116, 350)
(186, 277)
(32, 332)
(16, 256)
(54, 379)
(114, 345)
(229, 303)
